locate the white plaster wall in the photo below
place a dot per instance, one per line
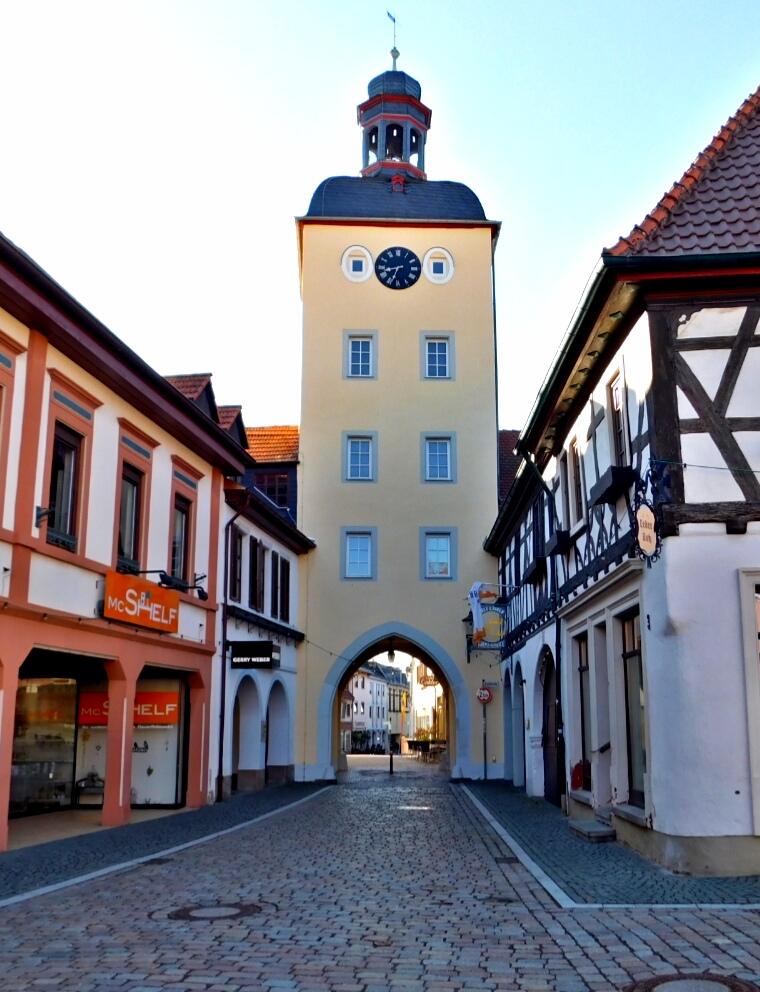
(6, 559)
(16, 414)
(58, 585)
(104, 466)
(192, 623)
(693, 654)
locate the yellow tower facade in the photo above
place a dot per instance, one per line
(399, 440)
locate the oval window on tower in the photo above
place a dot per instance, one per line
(357, 263)
(438, 265)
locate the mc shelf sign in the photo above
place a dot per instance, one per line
(151, 709)
(255, 654)
(133, 600)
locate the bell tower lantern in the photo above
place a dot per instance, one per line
(394, 124)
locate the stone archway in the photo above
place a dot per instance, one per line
(417, 642)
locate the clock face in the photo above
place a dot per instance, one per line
(398, 268)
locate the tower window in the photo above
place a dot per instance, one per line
(438, 265)
(356, 263)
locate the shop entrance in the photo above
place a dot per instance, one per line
(61, 735)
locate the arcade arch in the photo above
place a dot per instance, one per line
(261, 730)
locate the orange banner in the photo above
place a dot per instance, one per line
(133, 600)
(151, 708)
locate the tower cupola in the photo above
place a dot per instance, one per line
(394, 124)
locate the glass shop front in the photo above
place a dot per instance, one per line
(61, 732)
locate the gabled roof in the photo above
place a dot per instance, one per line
(197, 388)
(231, 420)
(273, 444)
(715, 206)
(228, 415)
(509, 462)
(192, 385)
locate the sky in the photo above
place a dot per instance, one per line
(156, 152)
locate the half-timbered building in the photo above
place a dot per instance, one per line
(629, 543)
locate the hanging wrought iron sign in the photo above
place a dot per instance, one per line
(645, 519)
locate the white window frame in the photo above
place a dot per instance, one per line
(437, 337)
(352, 439)
(618, 417)
(359, 336)
(429, 438)
(434, 533)
(349, 533)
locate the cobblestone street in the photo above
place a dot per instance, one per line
(382, 883)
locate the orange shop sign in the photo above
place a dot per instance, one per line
(151, 709)
(133, 600)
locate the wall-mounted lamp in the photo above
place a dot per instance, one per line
(391, 653)
(42, 513)
(467, 621)
(168, 581)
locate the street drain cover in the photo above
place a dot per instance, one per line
(499, 899)
(222, 911)
(692, 983)
(506, 859)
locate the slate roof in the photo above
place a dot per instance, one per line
(273, 444)
(190, 386)
(715, 206)
(509, 462)
(371, 197)
(394, 82)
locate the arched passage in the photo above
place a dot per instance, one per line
(547, 681)
(415, 642)
(278, 760)
(509, 750)
(518, 728)
(247, 747)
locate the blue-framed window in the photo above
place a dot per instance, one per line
(438, 454)
(437, 355)
(438, 553)
(359, 355)
(359, 460)
(358, 553)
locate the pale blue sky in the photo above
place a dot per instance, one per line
(156, 152)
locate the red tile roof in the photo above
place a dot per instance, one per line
(190, 386)
(715, 207)
(273, 444)
(228, 415)
(509, 462)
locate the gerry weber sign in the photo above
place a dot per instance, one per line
(255, 654)
(133, 600)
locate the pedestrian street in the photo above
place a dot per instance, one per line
(382, 882)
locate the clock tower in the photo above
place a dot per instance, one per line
(398, 442)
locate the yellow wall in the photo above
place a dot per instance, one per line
(399, 405)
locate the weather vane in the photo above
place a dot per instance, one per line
(394, 50)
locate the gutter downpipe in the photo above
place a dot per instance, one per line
(223, 687)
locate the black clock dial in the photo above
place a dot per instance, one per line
(398, 268)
